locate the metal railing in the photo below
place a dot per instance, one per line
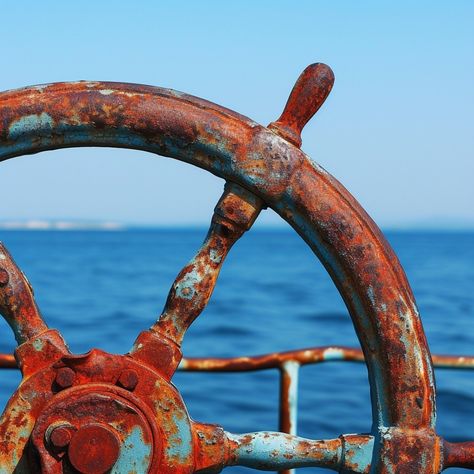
(288, 364)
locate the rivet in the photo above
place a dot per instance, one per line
(61, 436)
(128, 379)
(65, 377)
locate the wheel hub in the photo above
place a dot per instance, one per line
(113, 420)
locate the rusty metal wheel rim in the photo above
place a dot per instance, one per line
(264, 167)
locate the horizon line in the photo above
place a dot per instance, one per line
(109, 226)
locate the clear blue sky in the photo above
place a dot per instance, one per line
(397, 129)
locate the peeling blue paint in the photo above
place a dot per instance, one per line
(358, 455)
(29, 124)
(332, 353)
(180, 444)
(276, 451)
(215, 256)
(38, 344)
(135, 454)
(185, 287)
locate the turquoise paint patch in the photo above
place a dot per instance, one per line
(371, 295)
(275, 451)
(29, 124)
(180, 444)
(215, 256)
(38, 345)
(185, 288)
(360, 454)
(332, 353)
(135, 455)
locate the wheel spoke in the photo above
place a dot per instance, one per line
(234, 214)
(271, 451)
(17, 303)
(38, 346)
(458, 455)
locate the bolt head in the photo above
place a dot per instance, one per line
(61, 436)
(128, 379)
(94, 449)
(65, 377)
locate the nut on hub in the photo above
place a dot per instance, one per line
(94, 449)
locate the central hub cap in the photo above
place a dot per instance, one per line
(93, 429)
(94, 449)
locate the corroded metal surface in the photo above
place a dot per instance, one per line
(234, 214)
(277, 360)
(268, 450)
(307, 96)
(313, 355)
(17, 304)
(7, 361)
(66, 404)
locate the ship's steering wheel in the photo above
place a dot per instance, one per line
(98, 412)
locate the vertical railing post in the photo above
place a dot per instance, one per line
(289, 372)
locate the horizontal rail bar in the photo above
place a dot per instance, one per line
(7, 361)
(312, 355)
(276, 360)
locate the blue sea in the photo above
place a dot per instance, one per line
(101, 288)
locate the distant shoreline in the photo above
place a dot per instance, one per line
(62, 225)
(202, 228)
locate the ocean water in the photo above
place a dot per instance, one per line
(101, 288)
